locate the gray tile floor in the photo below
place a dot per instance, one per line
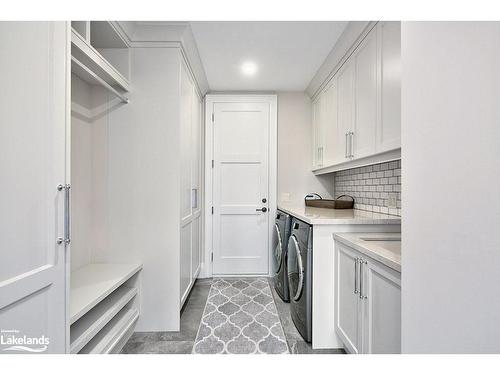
(182, 342)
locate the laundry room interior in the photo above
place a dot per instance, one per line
(247, 187)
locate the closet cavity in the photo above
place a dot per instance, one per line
(104, 288)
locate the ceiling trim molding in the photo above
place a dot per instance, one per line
(142, 34)
(352, 36)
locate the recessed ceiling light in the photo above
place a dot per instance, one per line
(249, 68)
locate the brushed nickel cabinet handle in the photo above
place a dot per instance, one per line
(351, 154)
(356, 276)
(67, 213)
(346, 135)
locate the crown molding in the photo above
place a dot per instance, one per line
(146, 34)
(354, 33)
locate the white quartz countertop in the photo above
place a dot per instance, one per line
(328, 216)
(383, 247)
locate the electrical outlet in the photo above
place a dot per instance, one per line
(392, 200)
(285, 197)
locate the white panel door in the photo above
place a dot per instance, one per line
(348, 319)
(366, 94)
(389, 127)
(241, 159)
(33, 300)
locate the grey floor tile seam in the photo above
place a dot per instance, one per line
(280, 313)
(199, 324)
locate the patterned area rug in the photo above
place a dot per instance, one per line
(240, 317)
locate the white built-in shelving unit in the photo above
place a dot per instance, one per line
(104, 298)
(103, 306)
(101, 56)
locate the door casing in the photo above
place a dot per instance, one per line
(210, 100)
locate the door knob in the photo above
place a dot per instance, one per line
(263, 209)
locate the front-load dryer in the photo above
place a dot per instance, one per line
(282, 227)
(300, 277)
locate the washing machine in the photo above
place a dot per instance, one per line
(300, 277)
(282, 227)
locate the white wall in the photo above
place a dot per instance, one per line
(295, 150)
(81, 173)
(451, 179)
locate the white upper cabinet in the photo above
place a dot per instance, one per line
(345, 100)
(358, 114)
(317, 130)
(331, 139)
(365, 97)
(389, 129)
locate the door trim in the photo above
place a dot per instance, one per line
(210, 100)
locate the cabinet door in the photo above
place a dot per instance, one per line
(345, 92)
(333, 146)
(195, 152)
(195, 247)
(381, 309)
(317, 136)
(33, 149)
(389, 127)
(185, 261)
(347, 302)
(366, 94)
(185, 142)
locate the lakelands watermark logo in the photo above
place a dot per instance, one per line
(13, 340)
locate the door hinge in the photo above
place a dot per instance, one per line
(212, 163)
(212, 210)
(213, 118)
(212, 257)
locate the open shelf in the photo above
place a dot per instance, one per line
(113, 333)
(94, 282)
(89, 325)
(88, 56)
(79, 69)
(103, 34)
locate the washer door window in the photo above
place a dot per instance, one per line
(278, 251)
(295, 268)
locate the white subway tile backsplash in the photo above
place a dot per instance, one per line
(370, 186)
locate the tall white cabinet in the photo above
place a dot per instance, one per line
(357, 116)
(33, 132)
(191, 199)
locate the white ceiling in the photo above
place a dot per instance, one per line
(287, 54)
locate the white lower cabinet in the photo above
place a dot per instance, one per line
(368, 303)
(348, 317)
(382, 308)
